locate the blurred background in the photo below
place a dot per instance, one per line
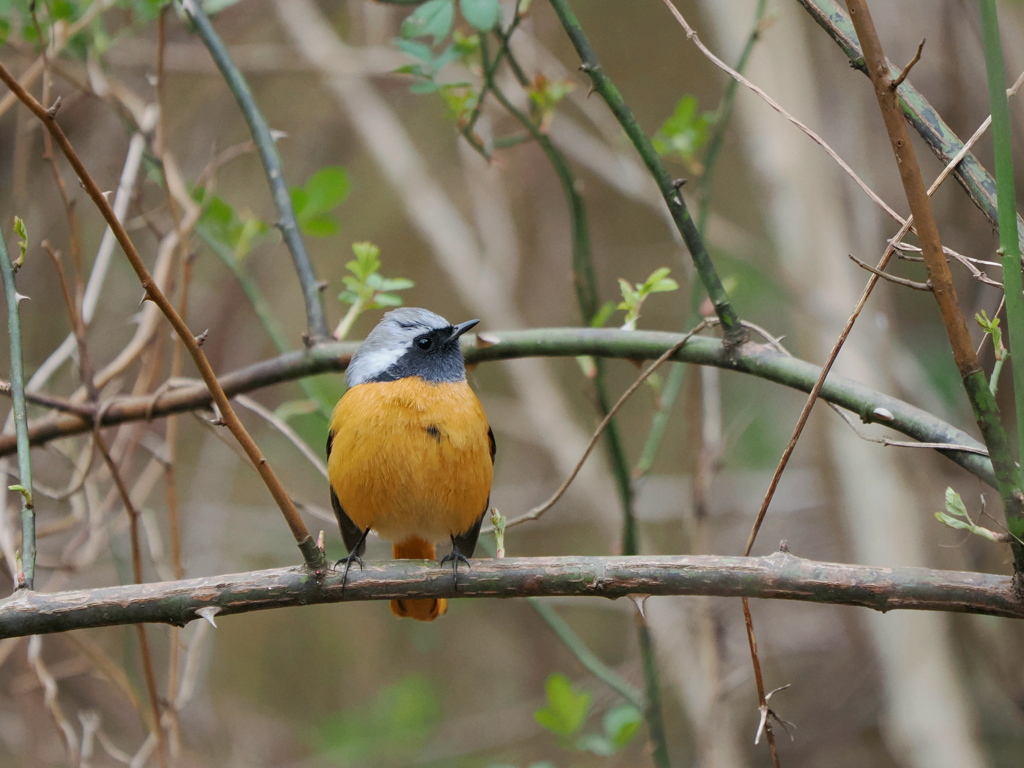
(349, 684)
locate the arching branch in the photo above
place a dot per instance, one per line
(753, 359)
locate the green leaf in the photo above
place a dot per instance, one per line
(482, 15)
(685, 132)
(300, 199)
(664, 286)
(428, 86)
(61, 10)
(414, 48)
(954, 504)
(622, 723)
(566, 710)
(387, 300)
(321, 225)
(326, 189)
(395, 284)
(433, 18)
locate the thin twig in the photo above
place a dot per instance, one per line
(916, 285)
(537, 511)
(762, 699)
(906, 70)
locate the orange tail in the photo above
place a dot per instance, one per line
(425, 609)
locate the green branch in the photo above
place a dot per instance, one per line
(24, 487)
(735, 333)
(869, 405)
(316, 323)
(1009, 243)
(588, 298)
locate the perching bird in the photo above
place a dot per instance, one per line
(410, 454)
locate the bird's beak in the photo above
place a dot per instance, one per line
(461, 328)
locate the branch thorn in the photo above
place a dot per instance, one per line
(208, 613)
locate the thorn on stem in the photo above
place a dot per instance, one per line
(202, 337)
(208, 613)
(53, 110)
(677, 183)
(639, 601)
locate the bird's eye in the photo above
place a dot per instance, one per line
(424, 342)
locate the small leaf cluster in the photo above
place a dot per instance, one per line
(544, 96)
(991, 327)
(633, 298)
(685, 133)
(566, 712)
(365, 286)
(435, 21)
(956, 517)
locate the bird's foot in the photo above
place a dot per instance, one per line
(455, 557)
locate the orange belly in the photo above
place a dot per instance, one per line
(411, 458)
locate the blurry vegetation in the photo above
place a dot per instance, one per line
(552, 202)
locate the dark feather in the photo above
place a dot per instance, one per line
(351, 534)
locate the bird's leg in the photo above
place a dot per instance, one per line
(455, 557)
(352, 556)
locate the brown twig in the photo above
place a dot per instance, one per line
(916, 285)
(906, 70)
(762, 699)
(537, 511)
(313, 556)
(73, 305)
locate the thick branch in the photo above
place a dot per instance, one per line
(778, 576)
(753, 359)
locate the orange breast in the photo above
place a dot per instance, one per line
(411, 458)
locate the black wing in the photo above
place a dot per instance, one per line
(466, 542)
(350, 532)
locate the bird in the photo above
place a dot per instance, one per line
(410, 453)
